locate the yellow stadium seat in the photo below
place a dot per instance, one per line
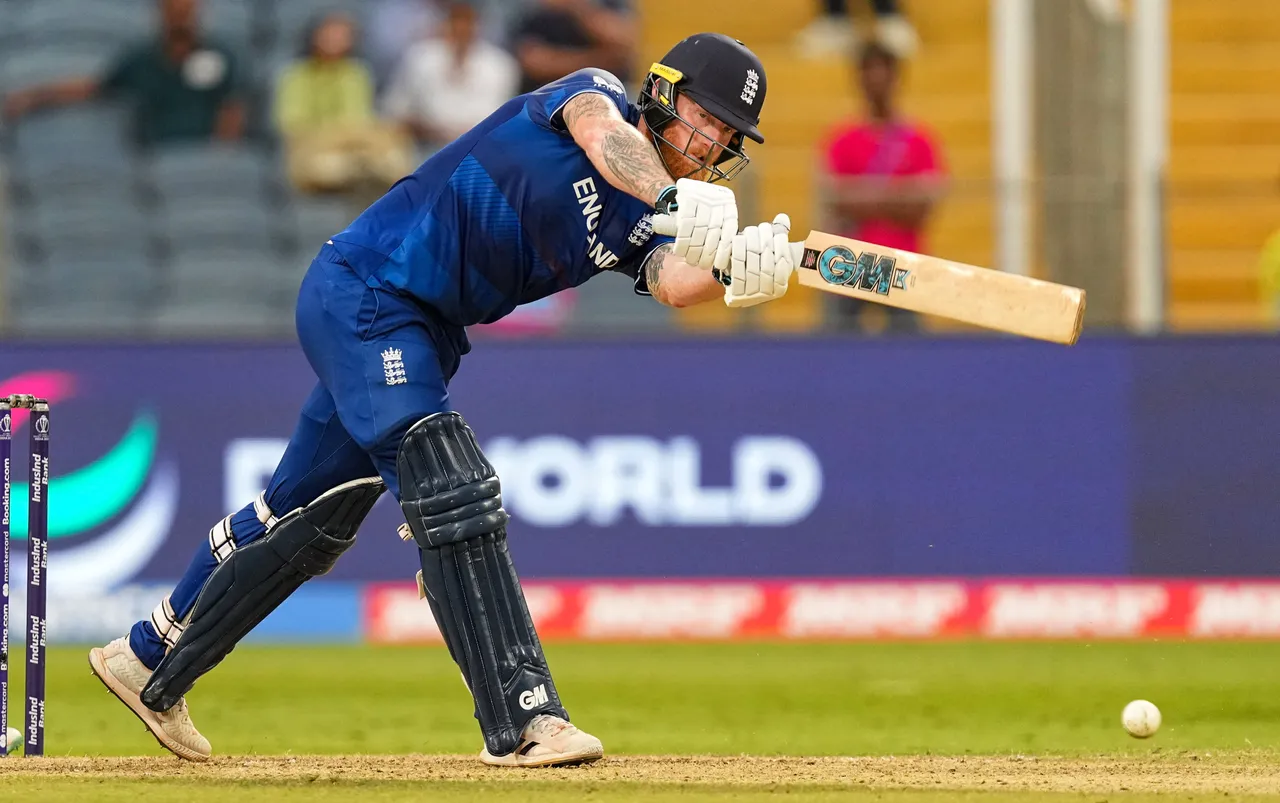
(1222, 199)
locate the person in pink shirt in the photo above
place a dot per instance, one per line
(883, 176)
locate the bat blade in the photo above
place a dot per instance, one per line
(991, 299)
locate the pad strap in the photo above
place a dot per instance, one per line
(166, 624)
(222, 541)
(263, 512)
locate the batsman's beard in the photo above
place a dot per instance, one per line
(681, 166)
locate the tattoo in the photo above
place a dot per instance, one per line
(632, 160)
(588, 104)
(653, 266)
(635, 163)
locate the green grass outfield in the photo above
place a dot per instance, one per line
(929, 721)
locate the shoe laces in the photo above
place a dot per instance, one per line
(548, 726)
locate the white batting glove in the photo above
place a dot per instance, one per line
(703, 217)
(761, 264)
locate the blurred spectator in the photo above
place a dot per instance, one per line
(446, 85)
(182, 85)
(394, 26)
(558, 37)
(883, 175)
(324, 110)
(833, 33)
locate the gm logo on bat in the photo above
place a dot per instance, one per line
(868, 271)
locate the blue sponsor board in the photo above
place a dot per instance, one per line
(1205, 424)
(317, 612)
(681, 458)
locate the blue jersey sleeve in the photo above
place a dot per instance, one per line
(544, 105)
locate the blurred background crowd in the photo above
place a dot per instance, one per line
(170, 166)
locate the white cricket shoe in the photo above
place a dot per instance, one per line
(549, 741)
(125, 677)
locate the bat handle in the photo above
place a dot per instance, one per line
(664, 225)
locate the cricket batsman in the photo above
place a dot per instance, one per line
(553, 188)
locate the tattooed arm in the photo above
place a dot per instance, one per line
(627, 160)
(676, 283)
(618, 150)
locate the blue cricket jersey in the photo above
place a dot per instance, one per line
(508, 213)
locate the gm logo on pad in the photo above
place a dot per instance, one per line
(534, 697)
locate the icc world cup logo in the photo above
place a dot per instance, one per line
(5, 425)
(42, 425)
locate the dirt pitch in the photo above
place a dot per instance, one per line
(1236, 773)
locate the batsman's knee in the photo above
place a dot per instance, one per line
(449, 490)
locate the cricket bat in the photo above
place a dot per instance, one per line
(983, 297)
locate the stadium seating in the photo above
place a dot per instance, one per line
(99, 235)
(35, 62)
(202, 224)
(316, 220)
(1223, 199)
(75, 149)
(238, 171)
(116, 22)
(233, 21)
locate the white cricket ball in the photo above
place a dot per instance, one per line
(1141, 719)
(15, 739)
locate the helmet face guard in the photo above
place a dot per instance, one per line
(657, 104)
